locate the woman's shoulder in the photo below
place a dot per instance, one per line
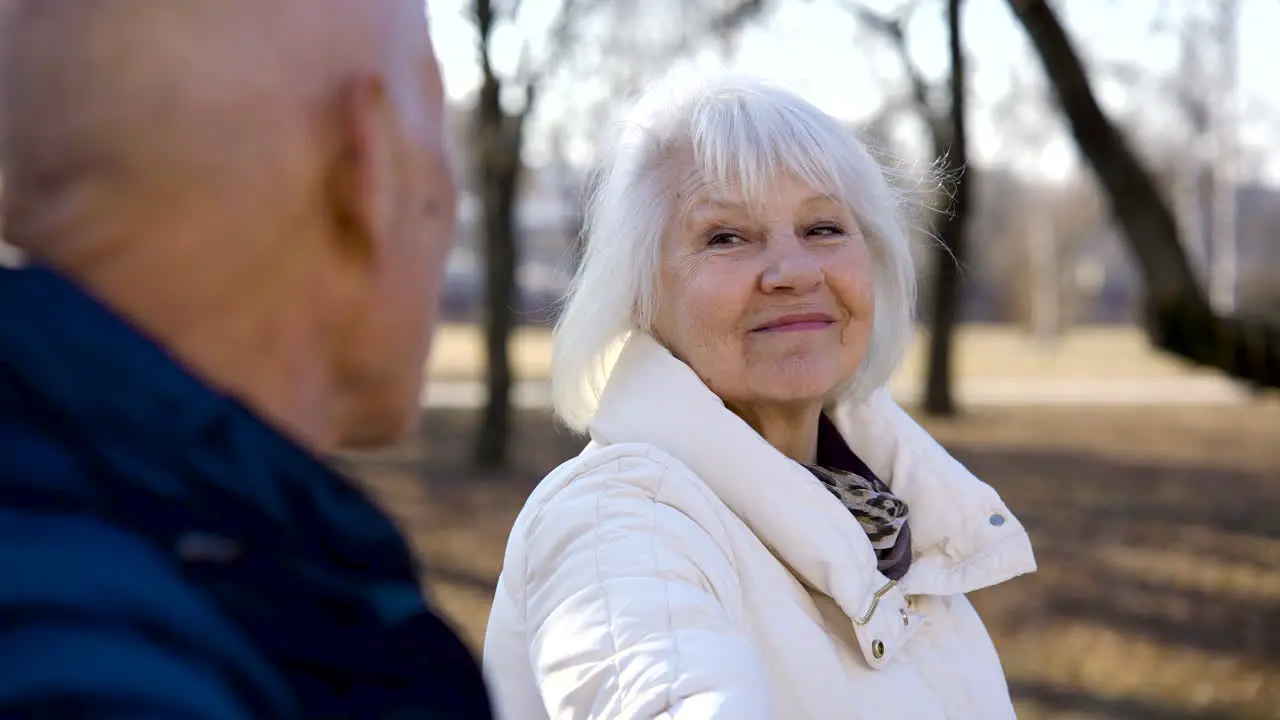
(638, 470)
(617, 483)
(643, 464)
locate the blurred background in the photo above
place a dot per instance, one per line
(1100, 349)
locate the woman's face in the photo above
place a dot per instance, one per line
(767, 305)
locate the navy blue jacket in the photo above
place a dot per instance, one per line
(165, 554)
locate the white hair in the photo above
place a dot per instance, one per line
(741, 132)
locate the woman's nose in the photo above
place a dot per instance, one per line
(790, 267)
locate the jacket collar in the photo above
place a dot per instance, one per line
(964, 537)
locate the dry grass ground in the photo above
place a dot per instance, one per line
(1157, 531)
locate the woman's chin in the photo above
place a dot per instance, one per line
(790, 388)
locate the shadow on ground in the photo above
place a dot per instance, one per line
(1157, 533)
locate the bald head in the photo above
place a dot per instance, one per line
(168, 100)
(261, 185)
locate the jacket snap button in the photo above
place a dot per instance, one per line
(996, 520)
(877, 649)
(906, 619)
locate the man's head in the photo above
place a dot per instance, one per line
(262, 186)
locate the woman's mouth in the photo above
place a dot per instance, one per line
(798, 322)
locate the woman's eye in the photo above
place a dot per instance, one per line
(723, 238)
(826, 230)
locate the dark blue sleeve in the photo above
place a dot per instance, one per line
(95, 623)
(60, 668)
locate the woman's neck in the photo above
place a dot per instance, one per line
(790, 428)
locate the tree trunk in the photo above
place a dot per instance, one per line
(500, 260)
(499, 139)
(939, 396)
(1178, 315)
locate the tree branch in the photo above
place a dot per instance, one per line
(736, 16)
(1179, 317)
(482, 15)
(513, 10)
(562, 43)
(1101, 142)
(893, 30)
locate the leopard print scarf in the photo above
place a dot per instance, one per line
(881, 514)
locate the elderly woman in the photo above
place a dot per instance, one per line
(756, 530)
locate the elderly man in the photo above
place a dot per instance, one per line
(234, 215)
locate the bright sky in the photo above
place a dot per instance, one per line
(811, 45)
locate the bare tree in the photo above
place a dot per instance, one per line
(1179, 316)
(948, 137)
(939, 396)
(498, 144)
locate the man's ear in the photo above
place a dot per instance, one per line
(362, 179)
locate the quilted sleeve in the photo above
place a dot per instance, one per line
(632, 603)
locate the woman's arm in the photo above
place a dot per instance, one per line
(632, 604)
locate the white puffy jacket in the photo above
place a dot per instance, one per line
(681, 567)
